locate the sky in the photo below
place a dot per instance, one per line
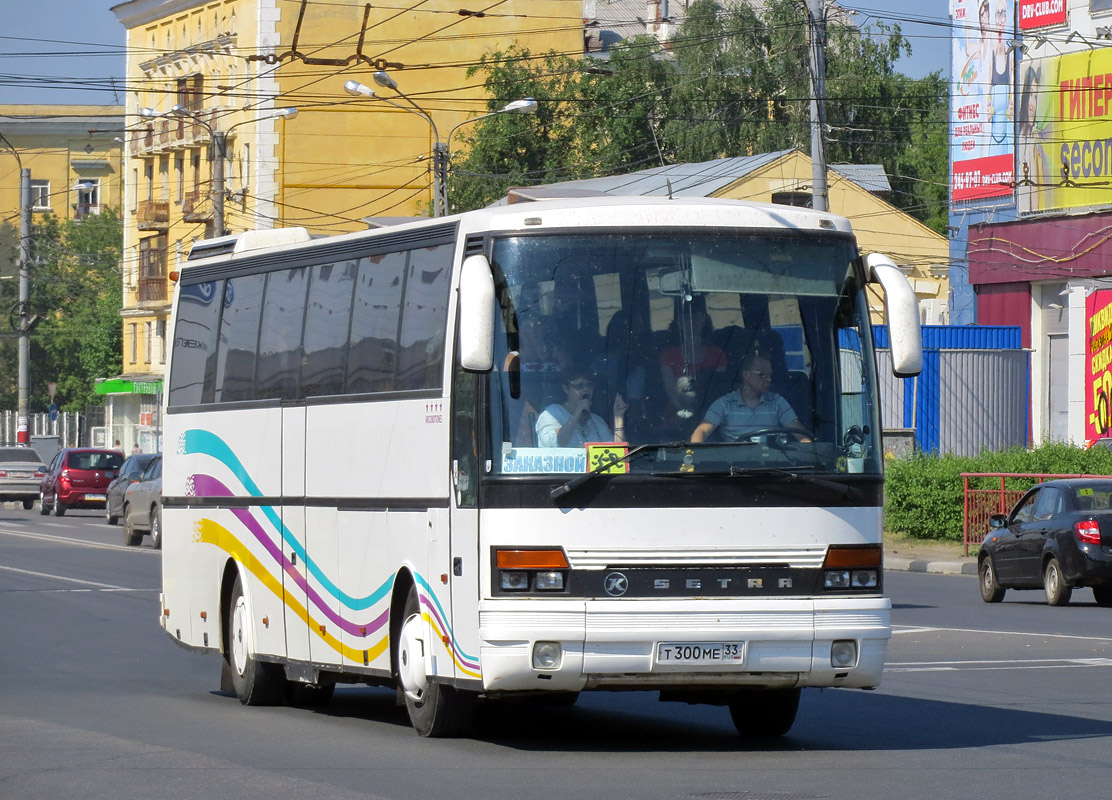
(72, 51)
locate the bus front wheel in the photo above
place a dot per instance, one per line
(435, 710)
(256, 683)
(765, 715)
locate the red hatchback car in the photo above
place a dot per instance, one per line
(78, 477)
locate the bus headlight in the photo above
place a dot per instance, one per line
(515, 580)
(836, 579)
(863, 578)
(547, 655)
(549, 581)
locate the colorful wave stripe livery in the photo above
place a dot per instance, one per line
(208, 531)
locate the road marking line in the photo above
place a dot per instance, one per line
(947, 666)
(79, 542)
(67, 579)
(901, 630)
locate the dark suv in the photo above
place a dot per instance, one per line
(78, 477)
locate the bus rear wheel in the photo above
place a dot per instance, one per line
(435, 710)
(256, 683)
(765, 715)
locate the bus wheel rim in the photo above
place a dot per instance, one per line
(411, 660)
(239, 636)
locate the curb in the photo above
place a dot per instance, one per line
(933, 567)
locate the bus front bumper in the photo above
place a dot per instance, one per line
(646, 644)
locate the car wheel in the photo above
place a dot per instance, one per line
(256, 683)
(1103, 594)
(1057, 593)
(28, 505)
(991, 591)
(765, 714)
(435, 710)
(132, 537)
(156, 527)
(44, 509)
(109, 517)
(59, 507)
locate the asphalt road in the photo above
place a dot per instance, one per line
(1007, 701)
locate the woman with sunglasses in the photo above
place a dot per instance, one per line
(571, 423)
(751, 407)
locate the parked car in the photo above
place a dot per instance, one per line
(21, 470)
(1058, 537)
(78, 477)
(132, 468)
(142, 510)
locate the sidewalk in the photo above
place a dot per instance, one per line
(916, 555)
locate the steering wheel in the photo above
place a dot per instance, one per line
(778, 429)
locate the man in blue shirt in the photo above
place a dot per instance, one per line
(750, 408)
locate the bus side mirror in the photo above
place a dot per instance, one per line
(902, 311)
(476, 315)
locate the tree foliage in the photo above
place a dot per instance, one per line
(76, 291)
(733, 81)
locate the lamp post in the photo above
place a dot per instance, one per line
(441, 150)
(23, 354)
(220, 151)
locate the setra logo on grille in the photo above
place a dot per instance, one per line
(616, 584)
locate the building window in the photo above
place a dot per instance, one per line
(134, 189)
(164, 178)
(40, 195)
(134, 341)
(179, 169)
(88, 198)
(149, 341)
(148, 175)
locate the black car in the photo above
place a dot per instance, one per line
(1058, 536)
(132, 468)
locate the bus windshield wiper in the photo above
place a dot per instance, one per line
(777, 472)
(579, 480)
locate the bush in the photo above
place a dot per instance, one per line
(923, 492)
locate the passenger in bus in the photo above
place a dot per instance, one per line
(751, 407)
(687, 364)
(571, 423)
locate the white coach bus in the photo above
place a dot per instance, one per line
(359, 485)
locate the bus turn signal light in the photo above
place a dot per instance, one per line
(531, 559)
(849, 557)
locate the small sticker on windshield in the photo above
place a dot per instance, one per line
(601, 453)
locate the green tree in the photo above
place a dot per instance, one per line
(733, 81)
(76, 291)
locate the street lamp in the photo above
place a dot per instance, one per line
(441, 150)
(220, 150)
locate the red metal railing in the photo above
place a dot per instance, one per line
(981, 503)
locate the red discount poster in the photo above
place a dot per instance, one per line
(1098, 376)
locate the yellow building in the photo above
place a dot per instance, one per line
(853, 191)
(73, 153)
(200, 71)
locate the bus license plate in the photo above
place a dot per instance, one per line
(700, 652)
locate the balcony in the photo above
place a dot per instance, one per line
(154, 215)
(152, 289)
(195, 208)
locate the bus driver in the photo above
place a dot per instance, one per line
(751, 408)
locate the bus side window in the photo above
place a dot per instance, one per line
(195, 343)
(239, 337)
(424, 318)
(327, 319)
(374, 323)
(278, 367)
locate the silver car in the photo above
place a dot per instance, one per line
(142, 510)
(21, 469)
(133, 467)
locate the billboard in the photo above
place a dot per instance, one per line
(981, 142)
(1063, 130)
(1098, 375)
(1040, 13)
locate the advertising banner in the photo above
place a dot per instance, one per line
(1040, 13)
(982, 106)
(1098, 376)
(1064, 132)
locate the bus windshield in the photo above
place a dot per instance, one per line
(755, 345)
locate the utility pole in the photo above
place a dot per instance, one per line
(816, 24)
(440, 179)
(219, 153)
(24, 363)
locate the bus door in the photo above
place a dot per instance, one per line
(464, 548)
(296, 545)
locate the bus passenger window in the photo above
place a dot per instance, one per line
(239, 338)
